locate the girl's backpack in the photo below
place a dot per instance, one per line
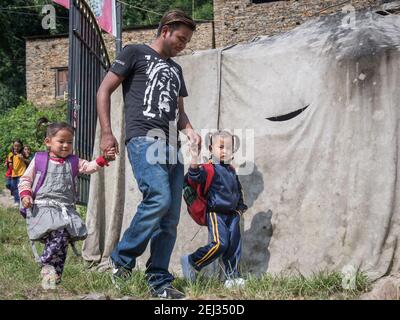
(41, 161)
(195, 195)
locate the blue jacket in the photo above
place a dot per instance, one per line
(225, 194)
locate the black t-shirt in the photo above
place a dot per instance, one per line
(151, 89)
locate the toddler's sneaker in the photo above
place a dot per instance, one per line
(235, 283)
(189, 273)
(49, 277)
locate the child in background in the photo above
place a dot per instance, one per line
(27, 153)
(53, 218)
(8, 176)
(225, 206)
(15, 160)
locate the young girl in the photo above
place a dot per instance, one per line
(26, 152)
(15, 161)
(53, 218)
(224, 208)
(8, 176)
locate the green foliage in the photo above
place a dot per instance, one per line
(8, 96)
(15, 25)
(20, 122)
(18, 23)
(204, 12)
(2, 177)
(149, 12)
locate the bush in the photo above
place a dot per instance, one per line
(8, 97)
(20, 122)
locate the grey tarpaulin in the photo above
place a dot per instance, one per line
(323, 190)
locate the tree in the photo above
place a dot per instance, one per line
(19, 19)
(149, 12)
(22, 18)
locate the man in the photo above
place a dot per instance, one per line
(153, 89)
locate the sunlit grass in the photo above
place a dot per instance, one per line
(19, 277)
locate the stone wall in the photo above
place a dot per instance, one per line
(241, 20)
(201, 40)
(45, 54)
(235, 21)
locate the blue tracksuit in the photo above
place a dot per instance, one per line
(224, 207)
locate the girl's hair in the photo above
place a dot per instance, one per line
(14, 141)
(223, 134)
(53, 127)
(26, 146)
(19, 141)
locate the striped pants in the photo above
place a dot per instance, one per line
(224, 232)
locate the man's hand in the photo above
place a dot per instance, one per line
(195, 147)
(27, 201)
(109, 142)
(194, 138)
(110, 82)
(194, 152)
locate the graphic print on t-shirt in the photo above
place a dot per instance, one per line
(162, 87)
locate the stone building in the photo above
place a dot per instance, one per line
(242, 20)
(47, 59)
(235, 21)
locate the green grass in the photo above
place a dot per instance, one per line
(19, 277)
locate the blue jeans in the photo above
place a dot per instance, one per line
(157, 216)
(14, 188)
(9, 184)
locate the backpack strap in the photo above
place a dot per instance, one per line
(41, 161)
(209, 169)
(74, 162)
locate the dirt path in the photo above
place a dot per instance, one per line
(5, 199)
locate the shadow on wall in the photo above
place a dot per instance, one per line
(253, 184)
(255, 240)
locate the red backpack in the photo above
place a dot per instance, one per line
(196, 197)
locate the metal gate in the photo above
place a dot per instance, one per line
(88, 63)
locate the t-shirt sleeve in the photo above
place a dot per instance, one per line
(125, 61)
(182, 92)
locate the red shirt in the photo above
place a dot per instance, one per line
(9, 170)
